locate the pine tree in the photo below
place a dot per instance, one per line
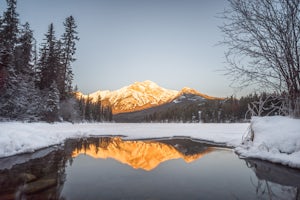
(23, 50)
(49, 61)
(98, 109)
(49, 73)
(2, 74)
(69, 39)
(81, 105)
(52, 104)
(110, 115)
(8, 35)
(8, 40)
(88, 109)
(33, 86)
(9, 30)
(27, 96)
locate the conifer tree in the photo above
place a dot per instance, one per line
(69, 39)
(49, 61)
(31, 85)
(81, 105)
(8, 36)
(27, 98)
(97, 109)
(2, 77)
(52, 104)
(9, 30)
(23, 50)
(88, 109)
(8, 40)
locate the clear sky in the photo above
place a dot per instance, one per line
(171, 42)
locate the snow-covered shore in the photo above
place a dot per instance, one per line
(276, 139)
(17, 137)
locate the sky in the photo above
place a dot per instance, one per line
(171, 42)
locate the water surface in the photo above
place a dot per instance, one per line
(114, 168)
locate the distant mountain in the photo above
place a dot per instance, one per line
(143, 95)
(181, 105)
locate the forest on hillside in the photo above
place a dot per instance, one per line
(229, 110)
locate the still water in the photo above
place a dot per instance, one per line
(114, 168)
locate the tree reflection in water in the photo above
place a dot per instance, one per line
(275, 181)
(37, 178)
(42, 175)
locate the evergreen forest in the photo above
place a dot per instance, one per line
(36, 79)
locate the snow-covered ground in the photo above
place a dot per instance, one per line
(276, 139)
(17, 137)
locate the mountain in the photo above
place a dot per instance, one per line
(142, 95)
(146, 155)
(181, 109)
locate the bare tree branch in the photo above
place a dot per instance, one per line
(263, 45)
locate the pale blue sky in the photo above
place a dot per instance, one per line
(171, 42)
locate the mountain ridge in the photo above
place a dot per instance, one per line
(141, 95)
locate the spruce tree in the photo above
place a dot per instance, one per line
(51, 108)
(23, 51)
(48, 69)
(26, 97)
(8, 40)
(2, 76)
(49, 62)
(98, 105)
(69, 39)
(32, 86)
(9, 30)
(81, 105)
(88, 109)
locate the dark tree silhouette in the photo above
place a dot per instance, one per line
(69, 39)
(263, 38)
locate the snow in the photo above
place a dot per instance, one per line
(276, 139)
(9, 162)
(17, 137)
(140, 93)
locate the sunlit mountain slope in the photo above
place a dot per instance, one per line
(140, 96)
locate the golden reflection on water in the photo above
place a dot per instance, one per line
(145, 155)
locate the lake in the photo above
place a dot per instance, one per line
(164, 168)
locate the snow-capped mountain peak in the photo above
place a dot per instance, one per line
(139, 96)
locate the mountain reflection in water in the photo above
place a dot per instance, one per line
(145, 155)
(58, 172)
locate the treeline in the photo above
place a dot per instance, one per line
(177, 113)
(228, 110)
(94, 110)
(36, 83)
(241, 110)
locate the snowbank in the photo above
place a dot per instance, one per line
(17, 137)
(276, 139)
